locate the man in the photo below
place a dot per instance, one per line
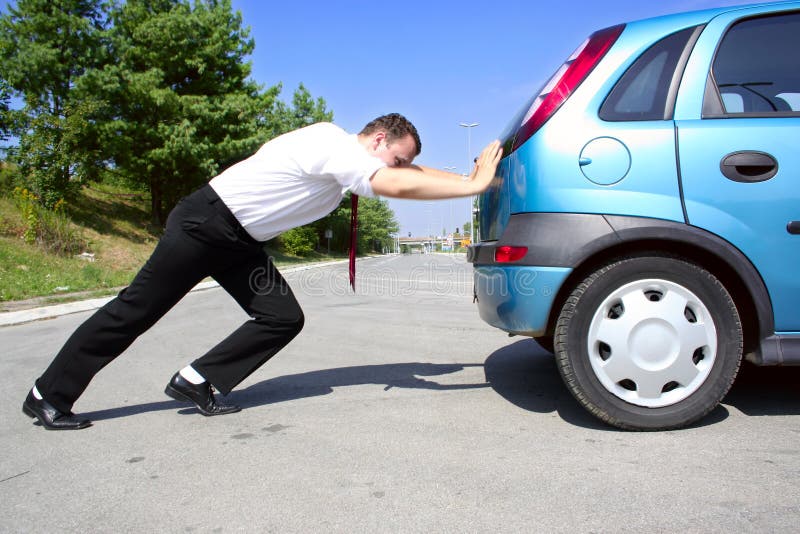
(219, 231)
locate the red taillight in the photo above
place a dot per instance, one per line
(565, 81)
(506, 254)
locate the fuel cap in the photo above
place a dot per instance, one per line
(605, 160)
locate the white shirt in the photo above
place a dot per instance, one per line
(295, 179)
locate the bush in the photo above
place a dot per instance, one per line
(8, 179)
(28, 206)
(299, 241)
(58, 235)
(50, 229)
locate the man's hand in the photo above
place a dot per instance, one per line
(485, 169)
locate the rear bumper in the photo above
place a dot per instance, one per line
(517, 299)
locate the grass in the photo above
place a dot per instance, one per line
(115, 224)
(287, 260)
(27, 272)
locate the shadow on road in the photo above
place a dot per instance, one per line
(323, 382)
(127, 411)
(316, 383)
(762, 391)
(526, 375)
(522, 373)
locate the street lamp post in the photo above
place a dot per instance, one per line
(469, 126)
(451, 169)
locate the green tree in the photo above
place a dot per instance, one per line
(304, 111)
(376, 224)
(6, 132)
(300, 241)
(177, 102)
(338, 221)
(5, 110)
(156, 92)
(45, 48)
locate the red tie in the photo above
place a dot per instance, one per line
(353, 238)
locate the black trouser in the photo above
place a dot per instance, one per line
(202, 238)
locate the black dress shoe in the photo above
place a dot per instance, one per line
(50, 417)
(201, 395)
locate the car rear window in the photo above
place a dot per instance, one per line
(757, 67)
(646, 90)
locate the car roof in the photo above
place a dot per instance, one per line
(705, 15)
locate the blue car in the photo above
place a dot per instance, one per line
(644, 224)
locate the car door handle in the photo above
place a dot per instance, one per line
(793, 227)
(749, 166)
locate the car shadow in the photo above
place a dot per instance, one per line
(763, 391)
(526, 375)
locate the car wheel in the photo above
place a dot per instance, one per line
(649, 342)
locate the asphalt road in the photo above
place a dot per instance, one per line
(396, 410)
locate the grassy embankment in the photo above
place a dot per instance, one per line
(116, 228)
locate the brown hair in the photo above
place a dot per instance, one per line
(395, 126)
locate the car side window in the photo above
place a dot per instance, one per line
(643, 92)
(756, 71)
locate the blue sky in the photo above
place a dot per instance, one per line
(439, 63)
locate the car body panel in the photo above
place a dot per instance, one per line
(546, 175)
(750, 216)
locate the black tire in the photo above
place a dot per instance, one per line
(636, 302)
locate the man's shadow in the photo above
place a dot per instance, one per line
(316, 383)
(323, 382)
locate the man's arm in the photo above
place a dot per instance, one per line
(437, 173)
(425, 183)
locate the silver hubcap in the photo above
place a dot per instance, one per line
(652, 343)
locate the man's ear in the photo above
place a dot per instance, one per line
(377, 139)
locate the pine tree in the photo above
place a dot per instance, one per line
(45, 48)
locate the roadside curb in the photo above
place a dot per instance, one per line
(57, 310)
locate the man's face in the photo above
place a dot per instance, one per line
(396, 153)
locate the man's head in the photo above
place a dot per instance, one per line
(393, 139)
